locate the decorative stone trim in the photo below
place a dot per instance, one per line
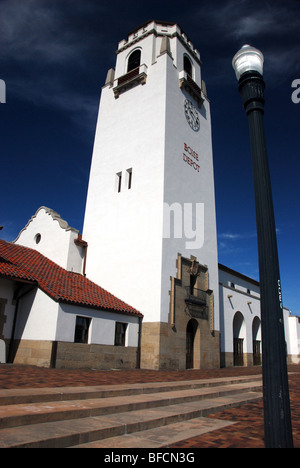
(199, 303)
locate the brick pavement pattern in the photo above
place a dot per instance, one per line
(247, 432)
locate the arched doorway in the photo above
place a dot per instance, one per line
(191, 330)
(239, 334)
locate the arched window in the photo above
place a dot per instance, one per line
(134, 60)
(187, 65)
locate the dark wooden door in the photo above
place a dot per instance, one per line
(190, 338)
(238, 359)
(256, 353)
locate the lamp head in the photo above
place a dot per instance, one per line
(248, 59)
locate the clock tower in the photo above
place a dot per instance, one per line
(150, 218)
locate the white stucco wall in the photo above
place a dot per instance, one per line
(234, 300)
(238, 302)
(292, 331)
(56, 239)
(237, 299)
(188, 187)
(124, 229)
(102, 327)
(37, 317)
(145, 129)
(41, 318)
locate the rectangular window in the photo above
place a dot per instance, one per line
(129, 178)
(120, 334)
(82, 329)
(119, 182)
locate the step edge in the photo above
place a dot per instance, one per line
(44, 395)
(79, 438)
(76, 413)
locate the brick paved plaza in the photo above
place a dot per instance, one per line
(247, 432)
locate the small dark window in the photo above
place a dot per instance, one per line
(134, 60)
(119, 182)
(120, 334)
(187, 65)
(82, 329)
(232, 285)
(37, 238)
(129, 175)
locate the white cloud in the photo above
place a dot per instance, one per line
(47, 55)
(28, 31)
(233, 243)
(41, 30)
(274, 25)
(230, 236)
(244, 18)
(252, 25)
(282, 60)
(235, 236)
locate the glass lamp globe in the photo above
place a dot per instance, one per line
(248, 59)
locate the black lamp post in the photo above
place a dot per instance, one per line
(248, 66)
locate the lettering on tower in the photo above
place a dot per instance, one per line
(190, 157)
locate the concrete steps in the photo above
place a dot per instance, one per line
(138, 415)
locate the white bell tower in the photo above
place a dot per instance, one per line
(151, 188)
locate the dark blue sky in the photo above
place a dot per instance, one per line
(54, 58)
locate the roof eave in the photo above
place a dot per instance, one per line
(63, 300)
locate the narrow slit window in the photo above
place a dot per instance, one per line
(129, 178)
(119, 182)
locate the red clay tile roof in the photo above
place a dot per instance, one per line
(22, 263)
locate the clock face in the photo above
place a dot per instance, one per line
(192, 115)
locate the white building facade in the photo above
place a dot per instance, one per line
(51, 235)
(51, 315)
(149, 237)
(240, 319)
(151, 189)
(241, 341)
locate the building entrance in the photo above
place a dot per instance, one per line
(238, 356)
(190, 341)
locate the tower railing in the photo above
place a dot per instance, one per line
(186, 82)
(133, 78)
